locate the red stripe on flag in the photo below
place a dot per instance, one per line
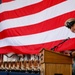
(37, 28)
(24, 11)
(3, 1)
(34, 49)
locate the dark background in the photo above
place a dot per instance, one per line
(0, 1)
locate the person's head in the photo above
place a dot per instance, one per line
(70, 23)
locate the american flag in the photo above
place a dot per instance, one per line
(27, 26)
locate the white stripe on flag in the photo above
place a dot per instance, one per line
(16, 4)
(39, 38)
(39, 17)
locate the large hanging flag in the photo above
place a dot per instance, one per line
(27, 26)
